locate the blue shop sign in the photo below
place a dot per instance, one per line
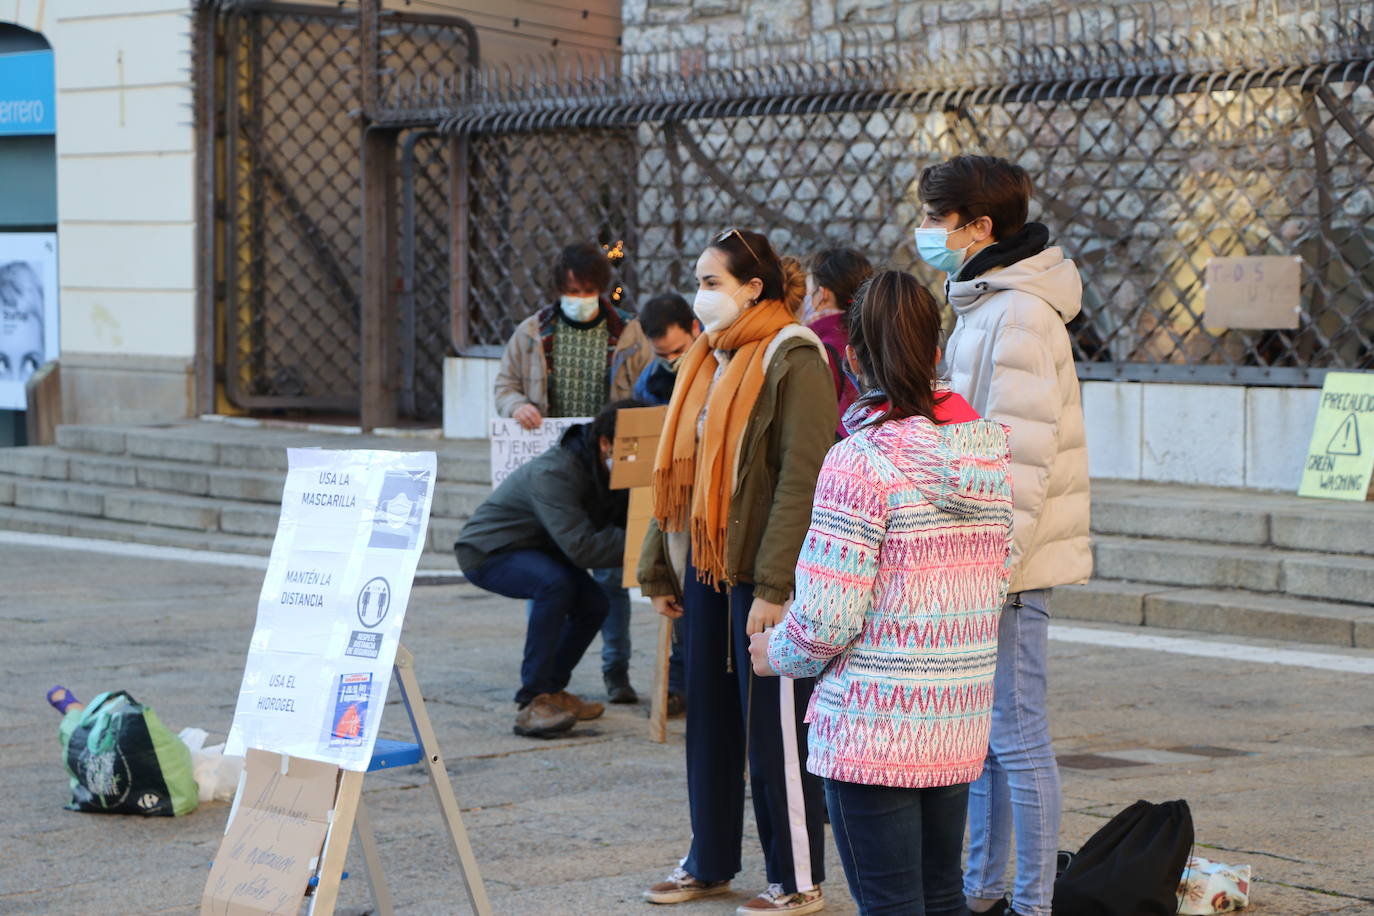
(26, 94)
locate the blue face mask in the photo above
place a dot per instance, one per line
(933, 246)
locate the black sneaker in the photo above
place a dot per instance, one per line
(618, 688)
(677, 705)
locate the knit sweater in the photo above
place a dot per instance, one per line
(900, 585)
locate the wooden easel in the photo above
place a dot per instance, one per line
(351, 816)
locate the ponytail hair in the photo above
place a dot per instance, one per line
(894, 328)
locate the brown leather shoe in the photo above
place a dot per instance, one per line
(543, 717)
(574, 704)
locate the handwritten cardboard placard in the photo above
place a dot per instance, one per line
(275, 833)
(512, 445)
(1340, 459)
(1254, 292)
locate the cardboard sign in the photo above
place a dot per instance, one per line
(277, 828)
(1256, 292)
(332, 605)
(636, 526)
(512, 445)
(1341, 457)
(637, 430)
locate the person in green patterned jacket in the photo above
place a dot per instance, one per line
(571, 359)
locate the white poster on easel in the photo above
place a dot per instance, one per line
(332, 605)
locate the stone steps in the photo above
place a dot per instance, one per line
(1229, 611)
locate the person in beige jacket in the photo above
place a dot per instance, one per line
(571, 359)
(1011, 358)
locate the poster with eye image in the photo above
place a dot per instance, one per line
(28, 310)
(333, 603)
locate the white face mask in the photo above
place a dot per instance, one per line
(579, 308)
(716, 310)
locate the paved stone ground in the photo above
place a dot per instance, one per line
(580, 825)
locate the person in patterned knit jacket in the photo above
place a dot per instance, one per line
(900, 583)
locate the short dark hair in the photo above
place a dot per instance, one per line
(749, 255)
(977, 186)
(894, 328)
(603, 427)
(663, 312)
(842, 271)
(586, 262)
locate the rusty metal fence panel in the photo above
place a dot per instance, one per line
(286, 127)
(1142, 176)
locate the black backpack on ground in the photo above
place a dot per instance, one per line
(1131, 867)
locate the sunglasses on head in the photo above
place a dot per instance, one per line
(729, 232)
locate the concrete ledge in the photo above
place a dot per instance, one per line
(147, 444)
(1102, 601)
(1188, 563)
(256, 520)
(125, 388)
(1328, 529)
(110, 470)
(1162, 517)
(1246, 614)
(106, 440)
(1330, 576)
(60, 496)
(34, 461)
(6, 492)
(190, 481)
(249, 486)
(162, 509)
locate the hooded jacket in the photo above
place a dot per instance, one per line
(523, 377)
(1011, 358)
(559, 502)
(900, 585)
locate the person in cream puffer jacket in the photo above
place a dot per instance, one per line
(1010, 356)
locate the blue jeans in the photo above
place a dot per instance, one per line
(1019, 788)
(615, 632)
(900, 848)
(566, 608)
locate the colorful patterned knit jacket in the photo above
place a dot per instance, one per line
(900, 584)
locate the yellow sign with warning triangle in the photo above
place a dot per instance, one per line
(1340, 459)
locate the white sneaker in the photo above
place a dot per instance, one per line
(775, 900)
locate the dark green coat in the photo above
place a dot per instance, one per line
(790, 431)
(559, 502)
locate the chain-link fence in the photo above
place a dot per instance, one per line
(1145, 171)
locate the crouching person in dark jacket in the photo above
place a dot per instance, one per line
(535, 537)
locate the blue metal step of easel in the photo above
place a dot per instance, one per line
(387, 754)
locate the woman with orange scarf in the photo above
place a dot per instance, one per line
(752, 417)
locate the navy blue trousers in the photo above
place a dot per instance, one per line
(726, 702)
(566, 609)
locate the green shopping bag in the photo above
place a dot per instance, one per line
(121, 759)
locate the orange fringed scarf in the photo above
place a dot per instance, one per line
(691, 479)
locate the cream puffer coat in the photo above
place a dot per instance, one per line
(1010, 357)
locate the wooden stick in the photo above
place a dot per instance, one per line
(658, 712)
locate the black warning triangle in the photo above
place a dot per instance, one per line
(1346, 439)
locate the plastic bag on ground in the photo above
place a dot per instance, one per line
(121, 759)
(216, 775)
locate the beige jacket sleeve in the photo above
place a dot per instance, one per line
(521, 378)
